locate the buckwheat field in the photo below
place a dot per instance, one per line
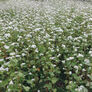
(45, 46)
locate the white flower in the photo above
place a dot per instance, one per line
(7, 35)
(13, 43)
(52, 50)
(69, 37)
(10, 23)
(6, 69)
(37, 29)
(76, 89)
(53, 65)
(58, 55)
(36, 50)
(0, 81)
(90, 52)
(41, 54)
(75, 49)
(80, 55)
(30, 73)
(33, 46)
(63, 46)
(52, 57)
(23, 54)
(1, 68)
(59, 29)
(90, 19)
(34, 67)
(33, 79)
(13, 53)
(80, 64)
(11, 82)
(22, 64)
(70, 58)
(38, 91)
(1, 39)
(63, 61)
(83, 69)
(86, 35)
(70, 82)
(6, 47)
(80, 88)
(28, 35)
(6, 63)
(9, 90)
(7, 58)
(70, 72)
(91, 55)
(86, 61)
(17, 55)
(1, 59)
(76, 67)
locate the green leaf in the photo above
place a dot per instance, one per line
(29, 81)
(26, 88)
(21, 74)
(54, 80)
(49, 86)
(55, 90)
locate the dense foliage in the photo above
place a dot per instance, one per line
(46, 48)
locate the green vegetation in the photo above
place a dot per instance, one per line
(46, 48)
